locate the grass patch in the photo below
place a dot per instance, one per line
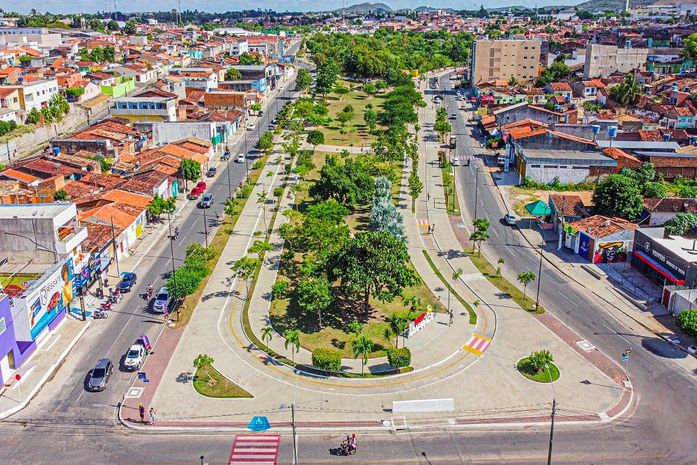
(451, 200)
(526, 369)
(218, 243)
(470, 310)
(356, 131)
(504, 285)
(19, 131)
(220, 388)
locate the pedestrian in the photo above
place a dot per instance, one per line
(141, 412)
(151, 415)
(428, 196)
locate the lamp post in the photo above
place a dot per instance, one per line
(539, 278)
(171, 249)
(476, 190)
(229, 183)
(205, 227)
(554, 412)
(116, 252)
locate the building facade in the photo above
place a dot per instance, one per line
(503, 59)
(603, 60)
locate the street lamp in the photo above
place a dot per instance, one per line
(539, 278)
(171, 248)
(554, 412)
(229, 183)
(476, 190)
(205, 227)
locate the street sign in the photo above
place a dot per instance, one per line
(625, 357)
(259, 424)
(142, 375)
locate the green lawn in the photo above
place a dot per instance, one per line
(472, 314)
(210, 383)
(548, 375)
(453, 205)
(355, 133)
(505, 286)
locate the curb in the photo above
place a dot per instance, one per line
(46, 376)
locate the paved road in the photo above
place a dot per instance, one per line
(666, 393)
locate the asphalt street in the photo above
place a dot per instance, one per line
(664, 418)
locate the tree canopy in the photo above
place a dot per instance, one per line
(620, 196)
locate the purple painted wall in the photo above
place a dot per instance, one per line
(8, 342)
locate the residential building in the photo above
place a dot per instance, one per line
(228, 99)
(661, 210)
(603, 60)
(25, 35)
(601, 239)
(36, 94)
(503, 59)
(144, 108)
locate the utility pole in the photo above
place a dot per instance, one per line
(539, 278)
(292, 423)
(476, 190)
(116, 252)
(551, 431)
(205, 226)
(229, 183)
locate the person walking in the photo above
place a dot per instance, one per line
(151, 415)
(141, 412)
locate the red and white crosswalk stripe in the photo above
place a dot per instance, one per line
(255, 449)
(423, 223)
(477, 344)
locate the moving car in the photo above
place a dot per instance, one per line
(251, 127)
(100, 375)
(206, 201)
(510, 219)
(453, 116)
(128, 279)
(202, 185)
(455, 161)
(195, 193)
(211, 172)
(135, 357)
(161, 303)
(240, 158)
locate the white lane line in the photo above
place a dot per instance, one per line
(573, 302)
(624, 338)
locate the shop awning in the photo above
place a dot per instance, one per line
(660, 269)
(538, 208)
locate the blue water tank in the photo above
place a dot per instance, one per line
(666, 137)
(612, 131)
(596, 129)
(56, 150)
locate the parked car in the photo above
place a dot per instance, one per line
(206, 201)
(195, 193)
(161, 303)
(453, 116)
(510, 219)
(673, 340)
(202, 185)
(134, 357)
(455, 161)
(100, 375)
(251, 127)
(240, 158)
(211, 172)
(128, 279)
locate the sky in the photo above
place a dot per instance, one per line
(90, 6)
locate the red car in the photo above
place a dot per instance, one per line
(195, 192)
(201, 185)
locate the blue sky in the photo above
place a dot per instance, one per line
(75, 6)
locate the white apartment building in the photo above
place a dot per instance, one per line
(36, 94)
(603, 60)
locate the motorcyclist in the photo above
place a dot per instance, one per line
(176, 231)
(148, 291)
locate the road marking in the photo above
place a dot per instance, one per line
(573, 302)
(423, 223)
(134, 393)
(257, 449)
(477, 344)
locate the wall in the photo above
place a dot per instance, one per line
(547, 173)
(8, 339)
(164, 133)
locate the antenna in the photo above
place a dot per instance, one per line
(179, 12)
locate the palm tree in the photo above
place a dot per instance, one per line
(627, 92)
(512, 82)
(293, 340)
(526, 278)
(540, 359)
(261, 200)
(362, 346)
(266, 335)
(397, 325)
(456, 275)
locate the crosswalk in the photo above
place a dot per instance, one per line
(423, 223)
(465, 157)
(477, 344)
(255, 449)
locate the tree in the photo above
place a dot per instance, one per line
(442, 128)
(526, 278)
(315, 137)
(397, 325)
(371, 119)
(265, 143)
(190, 170)
(347, 182)
(513, 81)
(627, 92)
(34, 116)
(183, 282)
(203, 361)
(687, 321)
(266, 335)
(340, 91)
(369, 88)
(260, 247)
(315, 295)
(61, 195)
(372, 264)
(256, 107)
(682, 223)
(481, 232)
(384, 216)
(303, 80)
(292, 338)
(689, 50)
(233, 74)
(619, 196)
(344, 117)
(415, 188)
(362, 346)
(327, 73)
(112, 25)
(654, 190)
(330, 211)
(249, 59)
(130, 28)
(540, 360)
(158, 206)
(245, 268)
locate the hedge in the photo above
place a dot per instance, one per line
(687, 321)
(327, 359)
(399, 358)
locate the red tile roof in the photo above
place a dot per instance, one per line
(602, 226)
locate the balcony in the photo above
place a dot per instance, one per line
(66, 243)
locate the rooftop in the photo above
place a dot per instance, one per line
(39, 210)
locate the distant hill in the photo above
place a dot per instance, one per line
(616, 5)
(364, 8)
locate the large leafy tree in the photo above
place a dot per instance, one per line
(327, 74)
(349, 183)
(303, 80)
(627, 92)
(619, 196)
(190, 170)
(682, 223)
(329, 210)
(372, 264)
(315, 295)
(265, 143)
(689, 50)
(233, 74)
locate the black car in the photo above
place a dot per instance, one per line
(128, 279)
(100, 375)
(211, 172)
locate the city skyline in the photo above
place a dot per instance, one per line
(89, 6)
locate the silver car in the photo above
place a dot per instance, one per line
(100, 375)
(161, 301)
(134, 357)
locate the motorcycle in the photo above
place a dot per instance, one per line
(100, 315)
(148, 293)
(347, 448)
(106, 306)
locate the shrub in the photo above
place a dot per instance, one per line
(257, 165)
(399, 358)
(687, 321)
(245, 191)
(278, 191)
(327, 359)
(279, 289)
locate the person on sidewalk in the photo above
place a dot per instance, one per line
(141, 412)
(151, 416)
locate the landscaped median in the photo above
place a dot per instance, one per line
(210, 382)
(538, 367)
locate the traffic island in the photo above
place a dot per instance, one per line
(528, 369)
(209, 382)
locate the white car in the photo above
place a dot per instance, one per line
(135, 357)
(510, 219)
(251, 127)
(240, 158)
(455, 161)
